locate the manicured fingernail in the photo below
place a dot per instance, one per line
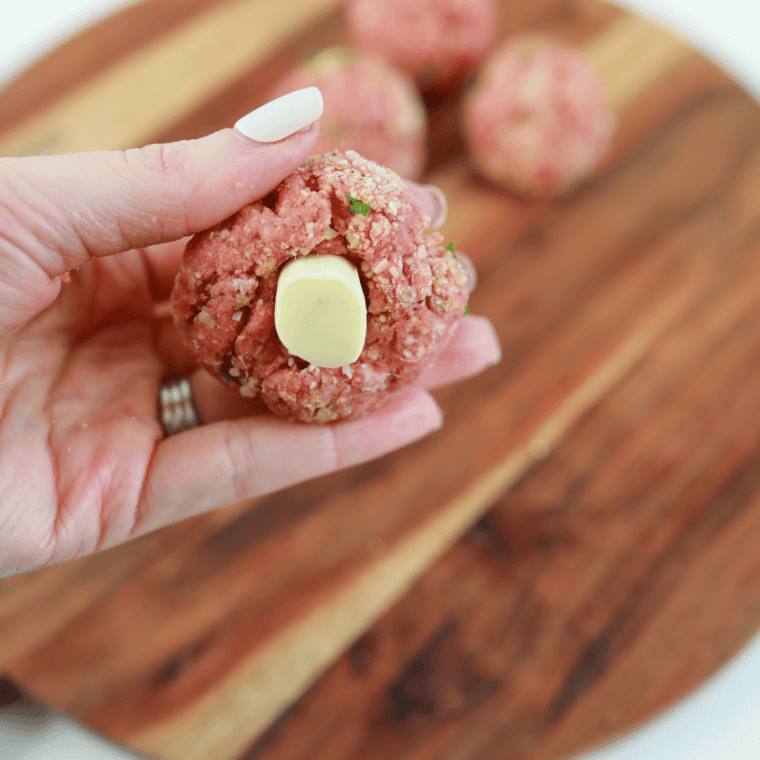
(469, 269)
(495, 346)
(440, 203)
(283, 116)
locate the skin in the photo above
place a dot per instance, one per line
(89, 244)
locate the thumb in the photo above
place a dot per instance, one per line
(62, 210)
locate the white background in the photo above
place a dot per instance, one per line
(721, 721)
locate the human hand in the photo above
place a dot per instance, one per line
(89, 244)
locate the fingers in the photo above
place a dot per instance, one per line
(432, 200)
(473, 347)
(65, 209)
(57, 212)
(434, 204)
(227, 462)
(469, 270)
(242, 451)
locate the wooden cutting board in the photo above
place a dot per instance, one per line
(573, 552)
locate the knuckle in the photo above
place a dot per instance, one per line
(166, 165)
(333, 457)
(239, 454)
(30, 222)
(159, 158)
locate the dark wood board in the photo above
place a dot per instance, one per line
(609, 463)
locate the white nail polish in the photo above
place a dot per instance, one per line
(283, 116)
(443, 206)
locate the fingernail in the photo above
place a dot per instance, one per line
(469, 270)
(495, 351)
(283, 116)
(440, 203)
(421, 416)
(431, 421)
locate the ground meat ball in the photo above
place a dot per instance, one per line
(536, 120)
(384, 118)
(437, 41)
(416, 290)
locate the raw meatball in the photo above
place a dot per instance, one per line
(437, 41)
(369, 106)
(416, 290)
(536, 120)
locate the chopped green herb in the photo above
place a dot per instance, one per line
(467, 308)
(450, 247)
(357, 206)
(310, 57)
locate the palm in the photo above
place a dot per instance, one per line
(79, 425)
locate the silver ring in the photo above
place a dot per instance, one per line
(177, 407)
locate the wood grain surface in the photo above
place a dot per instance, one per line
(575, 550)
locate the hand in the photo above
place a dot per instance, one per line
(89, 244)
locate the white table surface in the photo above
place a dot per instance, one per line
(721, 720)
